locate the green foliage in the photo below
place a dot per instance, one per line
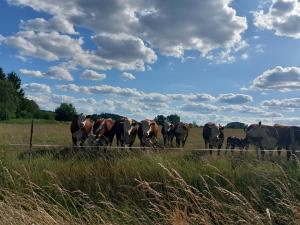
(8, 100)
(65, 112)
(160, 119)
(13, 103)
(2, 74)
(173, 118)
(236, 125)
(15, 80)
(46, 115)
(106, 115)
(28, 109)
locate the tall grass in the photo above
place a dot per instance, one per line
(148, 188)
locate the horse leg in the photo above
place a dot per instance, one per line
(210, 147)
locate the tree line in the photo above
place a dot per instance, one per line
(14, 104)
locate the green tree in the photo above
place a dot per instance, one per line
(2, 74)
(28, 108)
(160, 119)
(15, 80)
(8, 100)
(65, 112)
(46, 115)
(173, 118)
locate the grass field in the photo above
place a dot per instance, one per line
(169, 187)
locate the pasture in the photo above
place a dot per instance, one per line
(121, 187)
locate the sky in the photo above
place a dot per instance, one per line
(219, 61)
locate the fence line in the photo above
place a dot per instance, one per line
(159, 147)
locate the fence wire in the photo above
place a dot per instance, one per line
(146, 147)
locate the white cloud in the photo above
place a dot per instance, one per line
(244, 56)
(278, 78)
(123, 52)
(59, 73)
(287, 103)
(54, 72)
(58, 24)
(128, 76)
(199, 97)
(101, 89)
(273, 115)
(2, 38)
(92, 75)
(235, 98)
(204, 26)
(246, 109)
(32, 73)
(124, 49)
(36, 87)
(199, 107)
(48, 46)
(198, 31)
(283, 17)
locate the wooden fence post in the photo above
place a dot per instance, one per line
(30, 141)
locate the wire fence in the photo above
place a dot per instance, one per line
(147, 147)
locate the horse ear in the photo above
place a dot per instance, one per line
(259, 124)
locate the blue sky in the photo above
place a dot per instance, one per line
(205, 60)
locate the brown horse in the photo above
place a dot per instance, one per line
(81, 127)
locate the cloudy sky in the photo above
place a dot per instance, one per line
(220, 60)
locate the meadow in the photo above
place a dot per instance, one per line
(60, 186)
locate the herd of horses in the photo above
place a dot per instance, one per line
(102, 132)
